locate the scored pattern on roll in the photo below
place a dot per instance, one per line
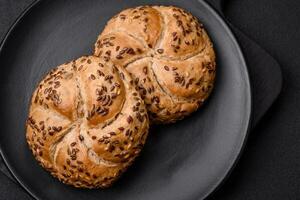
(87, 122)
(167, 52)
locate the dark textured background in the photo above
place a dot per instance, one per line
(270, 165)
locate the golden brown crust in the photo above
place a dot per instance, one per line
(89, 127)
(143, 22)
(174, 49)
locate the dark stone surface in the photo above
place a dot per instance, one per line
(270, 165)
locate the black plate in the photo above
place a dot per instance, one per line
(186, 160)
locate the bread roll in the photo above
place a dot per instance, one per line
(87, 122)
(169, 55)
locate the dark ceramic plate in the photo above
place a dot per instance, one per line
(182, 161)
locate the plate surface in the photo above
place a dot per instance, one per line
(181, 161)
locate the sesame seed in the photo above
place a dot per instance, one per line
(101, 140)
(108, 52)
(145, 70)
(129, 119)
(160, 51)
(93, 77)
(127, 133)
(112, 133)
(119, 57)
(114, 95)
(100, 73)
(81, 138)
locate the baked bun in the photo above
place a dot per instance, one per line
(167, 52)
(87, 122)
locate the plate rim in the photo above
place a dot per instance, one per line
(240, 54)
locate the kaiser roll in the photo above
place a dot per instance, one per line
(167, 52)
(87, 122)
